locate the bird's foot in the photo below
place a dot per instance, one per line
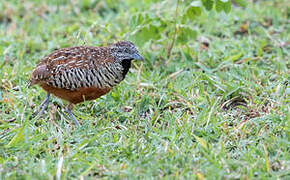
(68, 111)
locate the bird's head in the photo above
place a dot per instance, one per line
(125, 50)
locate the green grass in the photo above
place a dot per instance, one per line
(218, 112)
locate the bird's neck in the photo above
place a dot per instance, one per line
(126, 64)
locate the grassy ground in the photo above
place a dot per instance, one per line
(218, 108)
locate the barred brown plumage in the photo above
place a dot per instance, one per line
(77, 74)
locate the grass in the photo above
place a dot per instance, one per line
(217, 109)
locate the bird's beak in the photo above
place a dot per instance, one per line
(138, 57)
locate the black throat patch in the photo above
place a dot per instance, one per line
(126, 64)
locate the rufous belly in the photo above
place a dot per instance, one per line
(78, 95)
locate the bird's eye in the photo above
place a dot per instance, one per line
(126, 50)
(119, 50)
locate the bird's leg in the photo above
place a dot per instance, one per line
(43, 105)
(68, 111)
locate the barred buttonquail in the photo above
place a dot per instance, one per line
(78, 74)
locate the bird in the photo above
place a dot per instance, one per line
(83, 73)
